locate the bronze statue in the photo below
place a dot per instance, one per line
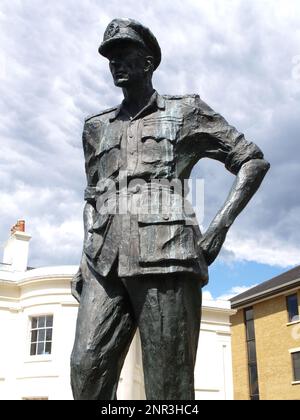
(145, 268)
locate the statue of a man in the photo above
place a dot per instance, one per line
(142, 268)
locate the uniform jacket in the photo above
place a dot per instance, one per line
(161, 143)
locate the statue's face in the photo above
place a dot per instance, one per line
(127, 64)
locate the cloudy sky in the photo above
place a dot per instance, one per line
(241, 56)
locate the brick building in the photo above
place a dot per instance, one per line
(266, 340)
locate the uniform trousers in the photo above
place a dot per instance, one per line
(167, 310)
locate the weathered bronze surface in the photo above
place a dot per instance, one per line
(144, 267)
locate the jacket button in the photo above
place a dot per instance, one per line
(166, 217)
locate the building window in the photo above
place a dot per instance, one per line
(251, 349)
(41, 335)
(296, 366)
(292, 307)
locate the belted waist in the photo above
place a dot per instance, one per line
(150, 199)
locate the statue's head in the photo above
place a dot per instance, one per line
(132, 50)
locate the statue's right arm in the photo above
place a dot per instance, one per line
(88, 214)
(88, 220)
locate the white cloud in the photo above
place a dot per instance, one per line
(207, 295)
(53, 218)
(60, 242)
(264, 249)
(234, 291)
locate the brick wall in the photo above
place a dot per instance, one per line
(274, 339)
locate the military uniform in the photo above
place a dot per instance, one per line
(163, 142)
(145, 268)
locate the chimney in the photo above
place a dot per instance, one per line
(18, 227)
(17, 247)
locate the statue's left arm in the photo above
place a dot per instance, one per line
(213, 137)
(246, 184)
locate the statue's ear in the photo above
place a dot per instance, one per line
(149, 64)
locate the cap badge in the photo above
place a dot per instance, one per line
(112, 30)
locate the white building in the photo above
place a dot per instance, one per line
(37, 328)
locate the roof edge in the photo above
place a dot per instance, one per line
(266, 293)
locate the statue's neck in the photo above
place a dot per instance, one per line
(137, 97)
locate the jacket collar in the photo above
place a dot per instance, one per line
(156, 100)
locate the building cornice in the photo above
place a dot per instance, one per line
(267, 294)
(218, 306)
(37, 275)
(224, 311)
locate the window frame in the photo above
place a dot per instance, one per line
(292, 320)
(293, 353)
(251, 364)
(44, 328)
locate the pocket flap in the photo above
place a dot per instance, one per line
(111, 138)
(148, 218)
(160, 130)
(108, 143)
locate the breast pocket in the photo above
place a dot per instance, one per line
(109, 163)
(158, 139)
